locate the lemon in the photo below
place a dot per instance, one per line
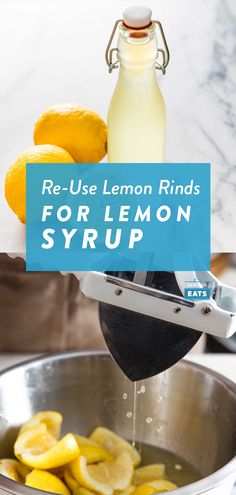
(145, 490)
(128, 490)
(92, 451)
(120, 471)
(38, 449)
(162, 485)
(147, 473)
(51, 419)
(13, 469)
(71, 482)
(114, 444)
(96, 482)
(8, 468)
(77, 129)
(42, 480)
(155, 486)
(84, 440)
(15, 181)
(104, 477)
(82, 491)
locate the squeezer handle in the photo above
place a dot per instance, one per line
(203, 316)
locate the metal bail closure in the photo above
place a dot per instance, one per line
(114, 63)
(164, 51)
(109, 54)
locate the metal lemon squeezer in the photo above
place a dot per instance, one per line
(147, 323)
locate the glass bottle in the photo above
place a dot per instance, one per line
(137, 115)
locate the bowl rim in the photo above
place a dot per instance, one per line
(214, 480)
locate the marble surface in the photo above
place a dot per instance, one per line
(53, 51)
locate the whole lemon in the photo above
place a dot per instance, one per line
(15, 182)
(78, 130)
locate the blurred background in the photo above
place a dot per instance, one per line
(43, 312)
(224, 267)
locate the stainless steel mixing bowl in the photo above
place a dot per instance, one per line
(198, 413)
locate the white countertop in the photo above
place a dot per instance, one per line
(54, 51)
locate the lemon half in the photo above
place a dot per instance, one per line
(51, 419)
(114, 444)
(70, 481)
(144, 489)
(82, 491)
(148, 473)
(92, 451)
(104, 477)
(42, 480)
(155, 486)
(38, 449)
(96, 482)
(11, 468)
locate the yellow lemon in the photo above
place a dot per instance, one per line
(144, 490)
(38, 449)
(162, 485)
(96, 482)
(70, 481)
(120, 471)
(104, 477)
(13, 469)
(77, 129)
(82, 491)
(15, 182)
(92, 451)
(51, 419)
(42, 480)
(128, 490)
(84, 440)
(157, 486)
(114, 444)
(147, 473)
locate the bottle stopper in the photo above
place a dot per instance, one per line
(137, 17)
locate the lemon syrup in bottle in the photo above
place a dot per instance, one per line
(137, 115)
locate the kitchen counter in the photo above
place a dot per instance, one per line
(54, 51)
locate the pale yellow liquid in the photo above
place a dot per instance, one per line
(136, 117)
(186, 475)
